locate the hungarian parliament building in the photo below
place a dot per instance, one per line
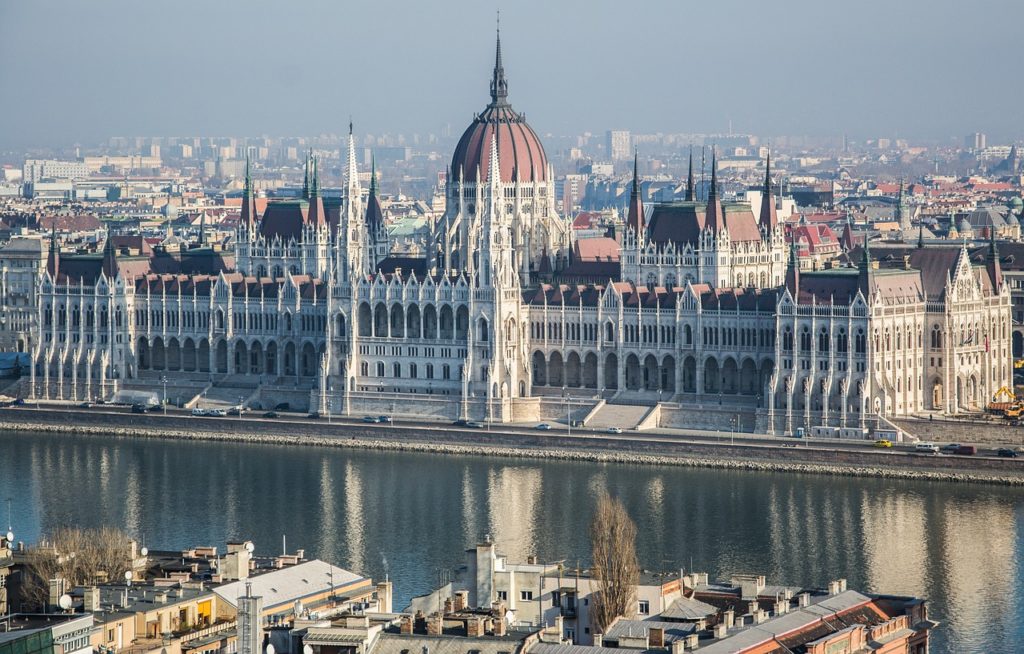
(704, 314)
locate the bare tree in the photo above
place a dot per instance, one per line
(79, 556)
(615, 571)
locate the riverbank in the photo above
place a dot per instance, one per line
(631, 449)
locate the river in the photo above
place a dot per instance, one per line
(412, 516)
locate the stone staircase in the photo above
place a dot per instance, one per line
(624, 416)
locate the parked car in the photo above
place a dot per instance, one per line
(926, 448)
(473, 424)
(883, 442)
(270, 414)
(217, 413)
(543, 426)
(966, 450)
(950, 448)
(370, 419)
(85, 405)
(198, 412)
(614, 430)
(315, 415)
(384, 419)
(1007, 453)
(138, 408)
(459, 423)
(236, 411)
(19, 402)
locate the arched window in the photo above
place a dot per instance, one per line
(687, 334)
(396, 370)
(380, 368)
(609, 332)
(861, 342)
(823, 340)
(842, 341)
(805, 339)
(787, 339)
(936, 338)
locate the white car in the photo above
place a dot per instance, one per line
(614, 430)
(198, 412)
(543, 426)
(927, 448)
(217, 413)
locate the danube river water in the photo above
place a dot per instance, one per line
(412, 516)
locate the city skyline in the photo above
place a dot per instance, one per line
(407, 69)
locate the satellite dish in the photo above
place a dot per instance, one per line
(10, 537)
(249, 547)
(307, 649)
(64, 602)
(144, 551)
(127, 575)
(270, 648)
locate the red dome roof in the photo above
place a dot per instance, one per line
(520, 153)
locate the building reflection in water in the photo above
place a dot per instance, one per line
(959, 546)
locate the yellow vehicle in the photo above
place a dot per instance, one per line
(1019, 363)
(883, 442)
(1013, 412)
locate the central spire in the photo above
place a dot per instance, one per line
(499, 87)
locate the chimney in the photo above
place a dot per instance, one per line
(720, 630)
(405, 626)
(500, 627)
(842, 585)
(420, 623)
(92, 599)
(301, 554)
(678, 646)
(833, 587)
(448, 606)
(559, 626)
(384, 596)
(598, 640)
(728, 618)
(474, 627)
(656, 637)
(781, 607)
(461, 600)
(803, 600)
(692, 641)
(752, 607)
(435, 624)
(760, 616)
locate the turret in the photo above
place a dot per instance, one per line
(248, 218)
(793, 270)
(691, 195)
(53, 258)
(635, 217)
(769, 219)
(110, 258)
(316, 216)
(995, 270)
(714, 218)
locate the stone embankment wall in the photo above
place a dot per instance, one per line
(964, 431)
(628, 449)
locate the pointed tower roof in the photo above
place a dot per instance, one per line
(846, 240)
(995, 270)
(690, 190)
(920, 235)
(714, 218)
(248, 198)
(317, 215)
(793, 270)
(499, 86)
(374, 213)
(305, 178)
(865, 268)
(53, 257)
(635, 217)
(769, 218)
(110, 257)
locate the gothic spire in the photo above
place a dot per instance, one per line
(635, 217)
(499, 86)
(248, 200)
(714, 219)
(769, 219)
(690, 195)
(920, 235)
(305, 179)
(793, 269)
(995, 271)
(109, 257)
(53, 258)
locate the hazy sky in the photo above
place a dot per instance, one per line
(85, 70)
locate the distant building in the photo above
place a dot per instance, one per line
(617, 144)
(35, 170)
(975, 141)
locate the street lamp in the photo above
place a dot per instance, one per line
(241, 408)
(163, 380)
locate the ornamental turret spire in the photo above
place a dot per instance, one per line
(499, 86)
(690, 191)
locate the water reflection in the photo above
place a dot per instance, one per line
(960, 546)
